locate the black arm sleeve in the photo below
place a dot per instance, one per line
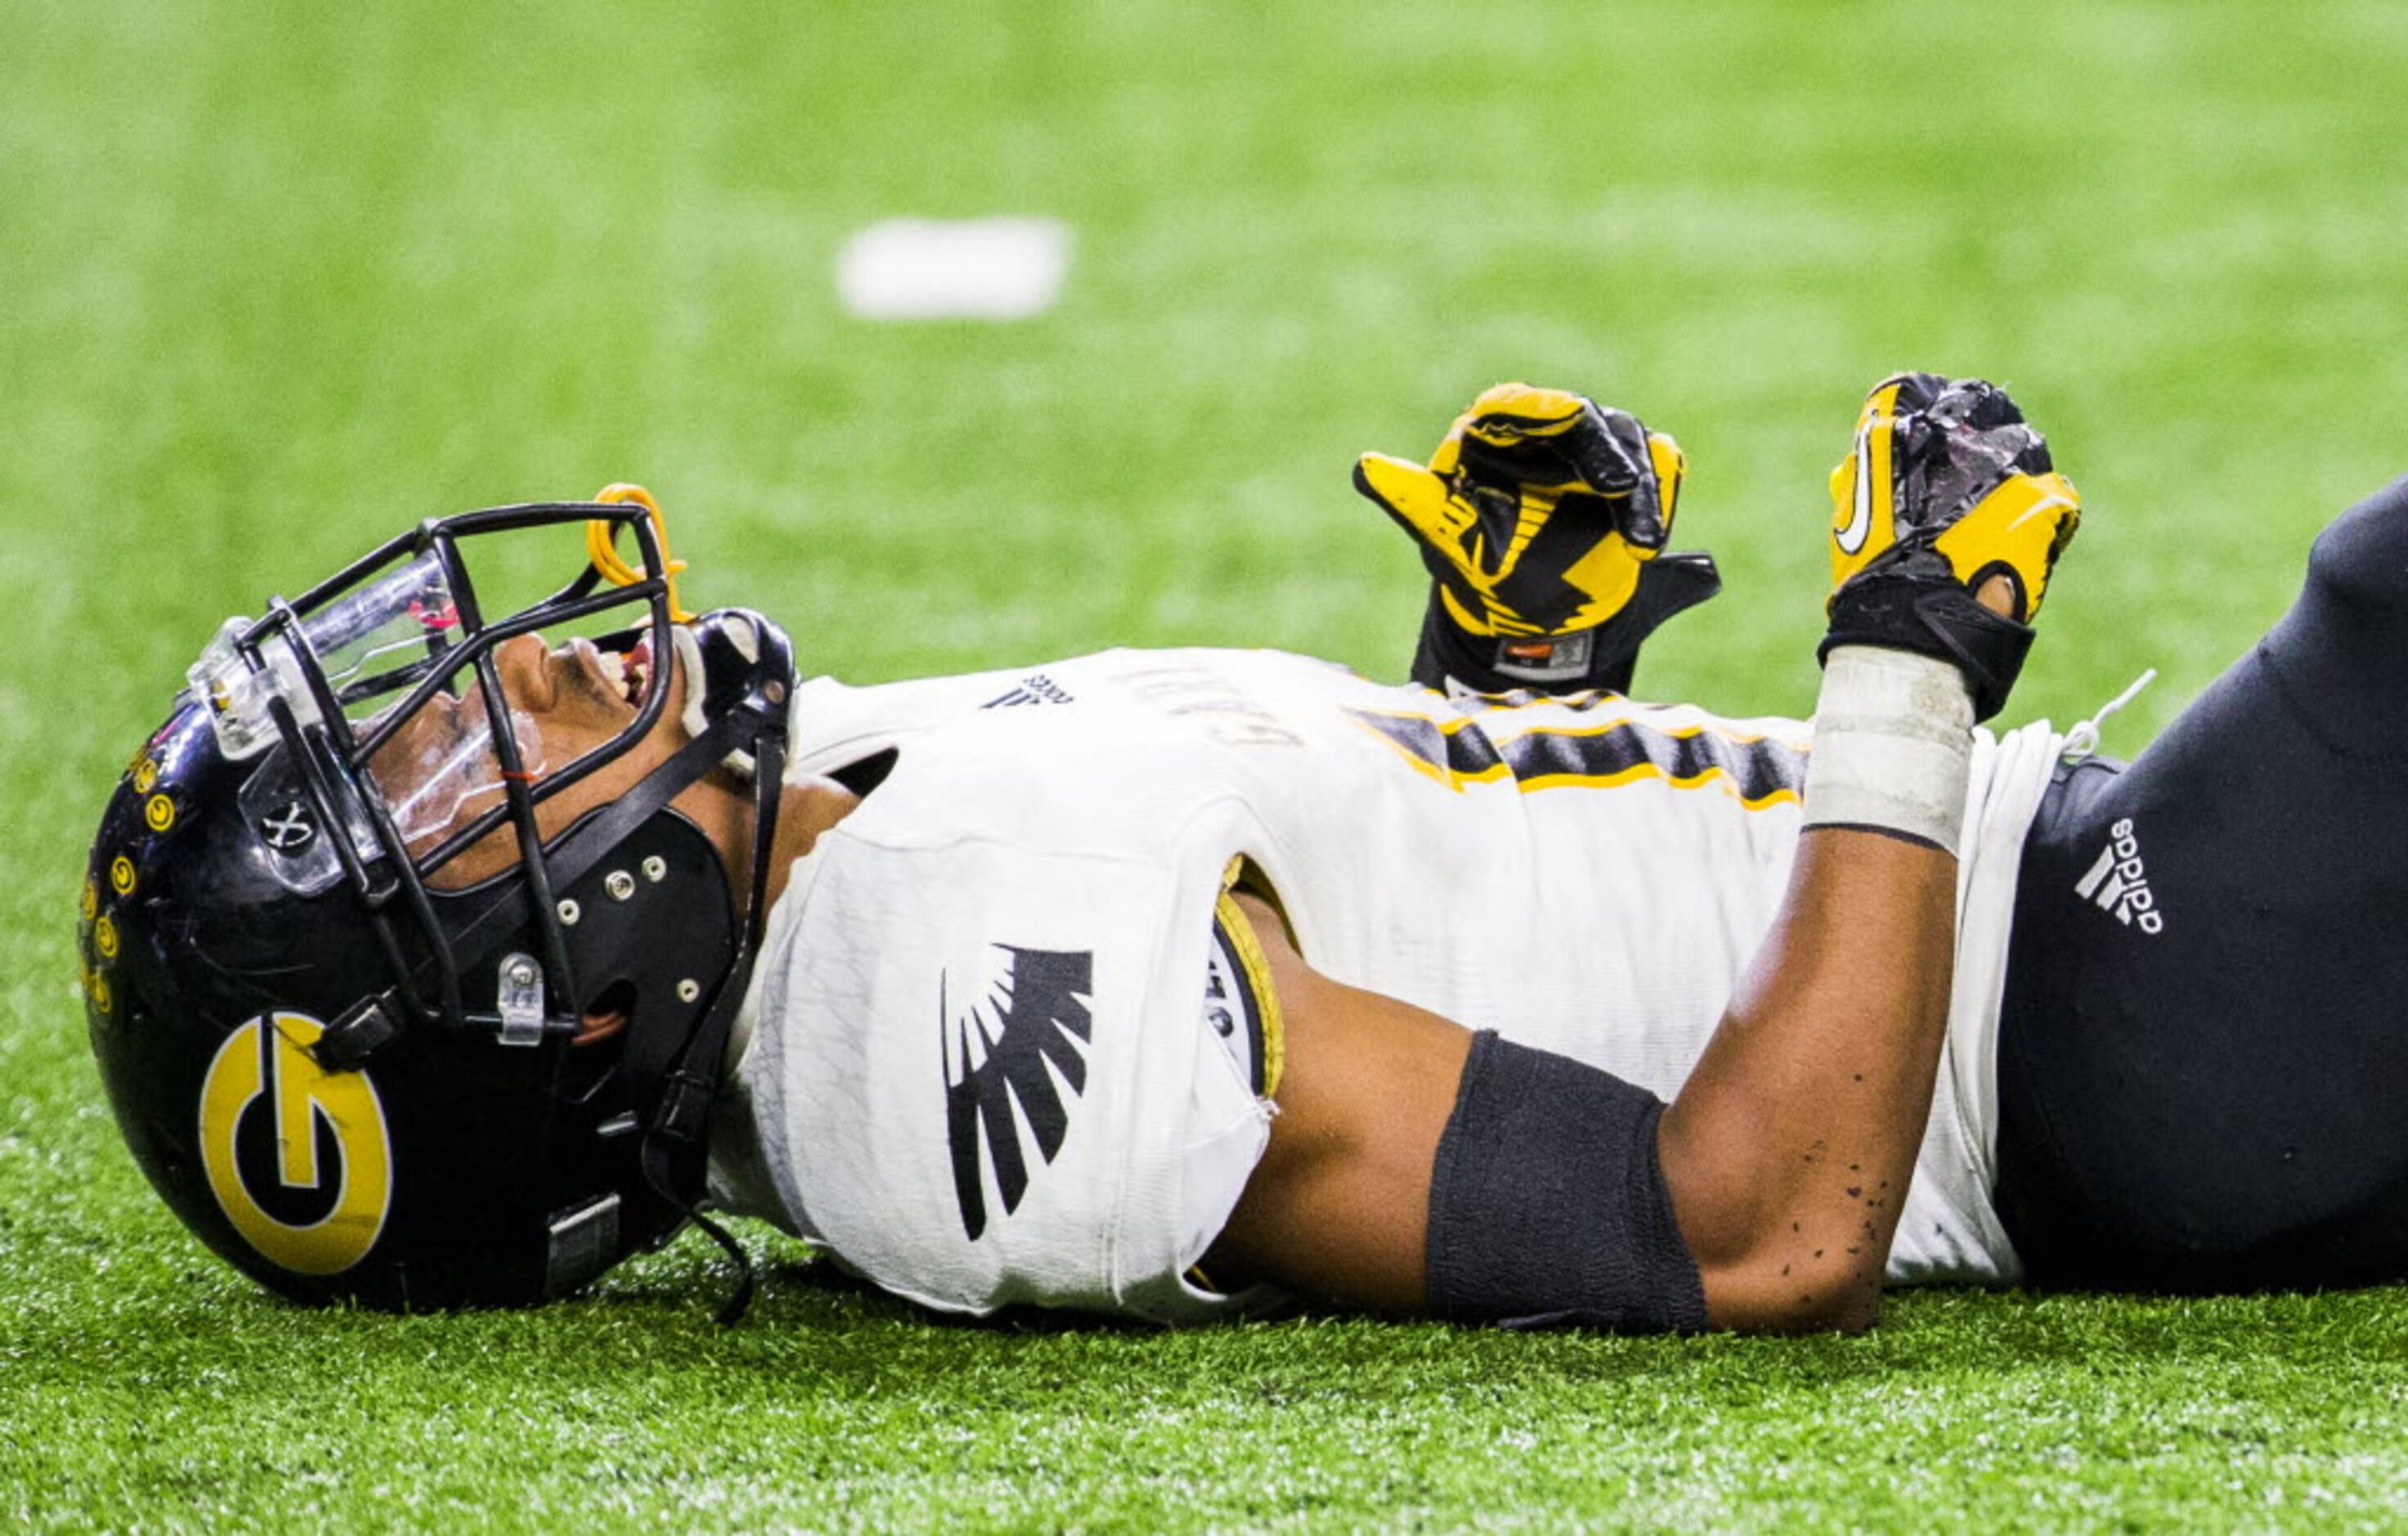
(1547, 1204)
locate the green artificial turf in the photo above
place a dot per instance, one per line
(276, 279)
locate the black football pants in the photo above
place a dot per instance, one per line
(2203, 1056)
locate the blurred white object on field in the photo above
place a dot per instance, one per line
(953, 270)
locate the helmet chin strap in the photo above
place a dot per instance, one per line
(675, 1132)
(748, 741)
(597, 835)
(675, 1106)
(728, 742)
(749, 738)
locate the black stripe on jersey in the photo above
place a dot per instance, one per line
(1463, 756)
(1759, 770)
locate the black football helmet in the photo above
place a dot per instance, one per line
(355, 1079)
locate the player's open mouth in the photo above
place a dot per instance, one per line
(627, 673)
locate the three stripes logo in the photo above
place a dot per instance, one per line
(1036, 688)
(2118, 882)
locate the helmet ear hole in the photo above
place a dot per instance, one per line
(609, 1012)
(593, 1055)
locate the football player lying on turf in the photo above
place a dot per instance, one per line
(429, 965)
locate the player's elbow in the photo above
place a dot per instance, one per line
(1776, 1251)
(1785, 1290)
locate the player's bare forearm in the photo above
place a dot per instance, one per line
(1788, 1150)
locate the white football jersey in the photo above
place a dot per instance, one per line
(973, 1063)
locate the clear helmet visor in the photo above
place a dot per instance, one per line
(444, 771)
(439, 779)
(387, 635)
(396, 659)
(370, 643)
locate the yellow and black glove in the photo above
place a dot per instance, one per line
(1541, 520)
(1947, 488)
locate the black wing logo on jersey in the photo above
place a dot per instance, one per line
(1019, 1045)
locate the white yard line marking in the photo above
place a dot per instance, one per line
(1005, 268)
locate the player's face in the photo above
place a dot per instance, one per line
(440, 772)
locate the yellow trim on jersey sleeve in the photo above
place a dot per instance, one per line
(1233, 921)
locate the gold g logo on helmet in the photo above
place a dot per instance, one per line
(299, 1159)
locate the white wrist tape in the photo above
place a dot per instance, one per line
(1893, 745)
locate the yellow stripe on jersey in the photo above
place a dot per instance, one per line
(1713, 776)
(1256, 1000)
(1758, 771)
(1486, 711)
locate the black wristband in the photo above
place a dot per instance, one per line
(1897, 610)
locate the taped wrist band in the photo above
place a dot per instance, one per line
(1893, 745)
